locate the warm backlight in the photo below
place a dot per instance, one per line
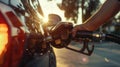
(3, 37)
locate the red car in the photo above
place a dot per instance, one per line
(11, 37)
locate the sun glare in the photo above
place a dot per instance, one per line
(50, 7)
(3, 37)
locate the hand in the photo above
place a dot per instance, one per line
(81, 27)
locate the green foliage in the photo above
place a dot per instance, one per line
(71, 8)
(88, 7)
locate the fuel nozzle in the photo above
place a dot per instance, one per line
(61, 34)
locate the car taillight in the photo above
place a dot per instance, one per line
(4, 34)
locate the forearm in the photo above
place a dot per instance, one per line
(108, 10)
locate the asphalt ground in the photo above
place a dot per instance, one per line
(106, 54)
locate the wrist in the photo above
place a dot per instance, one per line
(90, 27)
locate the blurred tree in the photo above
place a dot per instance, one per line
(71, 8)
(88, 7)
(117, 18)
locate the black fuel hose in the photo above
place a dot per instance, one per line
(98, 36)
(112, 38)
